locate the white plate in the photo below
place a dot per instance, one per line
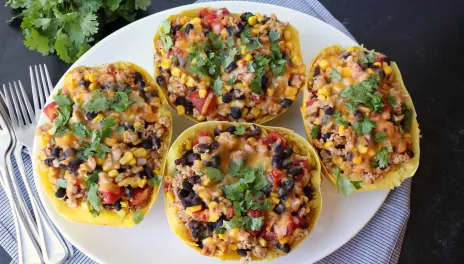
(152, 240)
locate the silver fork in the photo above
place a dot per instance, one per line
(28, 249)
(40, 92)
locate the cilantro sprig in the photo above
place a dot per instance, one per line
(364, 127)
(100, 103)
(364, 93)
(345, 186)
(64, 113)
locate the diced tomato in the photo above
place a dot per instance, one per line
(200, 215)
(140, 196)
(310, 102)
(167, 186)
(230, 212)
(200, 136)
(255, 213)
(108, 197)
(270, 236)
(51, 110)
(221, 118)
(199, 102)
(257, 99)
(276, 176)
(303, 163)
(202, 13)
(179, 35)
(272, 137)
(290, 228)
(216, 25)
(222, 12)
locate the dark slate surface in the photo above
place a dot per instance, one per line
(426, 39)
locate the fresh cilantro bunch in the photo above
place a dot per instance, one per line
(69, 28)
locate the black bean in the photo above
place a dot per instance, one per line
(264, 81)
(175, 28)
(73, 165)
(147, 143)
(160, 69)
(193, 224)
(328, 110)
(129, 191)
(279, 149)
(63, 166)
(346, 55)
(108, 206)
(235, 112)
(387, 60)
(267, 190)
(188, 27)
(240, 28)
(148, 172)
(84, 83)
(380, 73)
(188, 109)
(215, 161)
(308, 191)
(156, 143)
(194, 180)
(282, 192)
(288, 185)
(349, 156)
(410, 153)
(231, 129)
(295, 171)
(160, 81)
(326, 136)
(232, 66)
(70, 152)
(317, 71)
(358, 115)
(279, 209)
(49, 162)
(128, 126)
(244, 17)
(217, 132)
(189, 198)
(200, 244)
(138, 79)
(152, 94)
(186, 185)
(286, 248)
(207, 163)
(214, 145)
(286, 102)
(180, 100)
(181, 161)
(60, 193)
(197, 232)
(340, 146)
(117, 205)
(90, 115)
(191, 157)
(255, 130)
(277, 161)
(203, 148)
(227, 97)
(231, 31)
(288, 152)
(287, 164)
(242, 252)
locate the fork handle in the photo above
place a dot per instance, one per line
(54, 250)
(28, 250)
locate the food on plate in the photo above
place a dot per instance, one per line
(215, 65)
(104, 144)
(240, 190)
(360, 118)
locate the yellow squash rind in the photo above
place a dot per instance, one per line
(395, 177)
(81, 214)
(295, 39)
(179, 147)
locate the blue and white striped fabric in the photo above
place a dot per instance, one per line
(379, 242)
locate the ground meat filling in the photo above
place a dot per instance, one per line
(106, 139)
(357, 114)
(244, 190)
(223, 66)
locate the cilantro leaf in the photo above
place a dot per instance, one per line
(339, 119)
(88, 23)
(138, 216)
(62, 183)
(380, 136)
(121, 101)
(106, 125)
(155, 180)
(217, 87)
(253, 223)
(240, 130)
(98, 103)
(407, 122)
(273, 36)
(233, 223)
(391, 99)
(368, 58)
(382, 156)
(234, 192)
(79, 130)
(256, 85)
(346, 187)
(62, 45)
(35, 41)
(260, 179)
(231, 81)
(121, 130)
(142, 4)
(363, 93)
(315, 132)
(62, 100)
(91, 179)
(93, 197)
(278, 64)
(356, 184)
(214, 174)
(251, 42)
(334, 74)
(230, 57)
(235, 168)
(364, 127)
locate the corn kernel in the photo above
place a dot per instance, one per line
(289, 45)
(176, 72)
(287, 35)
(213, 205)
(124, 204)
(98, 118)
(357, 160)
(255, 112)
(255, 31)
(222, 236)
(341, 130)
(190, 81)
(248, 57)
(195, 21)
(157, 171)
(128, 156)
(259, 17)
(138, 141)
(94, 86)
(378, 64)
(370, 71)
(180, 110)
(342, 166)
(252, 20)
(224, 33)
(188, 145)
(291, 91)
(166, 63)
(44, 141)
(142, 183)
(239, 103)
(233, 246)
(234, 232)
(328, 145)
(321, 97)
(202, 93)
(206, 181)
(275, 200)
(93, 77)
(337, 160)
(204, 156)
(296, 60)
(262, 242)
(371, 152)
(270, 92)
(133, 162)
(388, 70)
(201, 118)
(140, 153)
(183, 78)
(346, 72)
(106, 168)
(198, 28)
(274, 195)
(170, 197)
(284, 240)
(110, 141)
(194, 208)
(324, 64)
(245, 112)
(243, 51)
(113, 173)
(362, 149)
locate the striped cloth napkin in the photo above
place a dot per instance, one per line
(379, 242)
